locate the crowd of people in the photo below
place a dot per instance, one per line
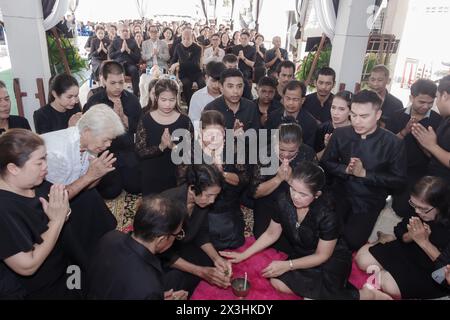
(338, 157)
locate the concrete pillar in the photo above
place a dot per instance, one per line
(27, 47)
(350, 41)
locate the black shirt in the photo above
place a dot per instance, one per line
(95, 44)
(390, 105)
(274, 105)
(436, 168)
(249, 53)
(132, 109)
(22, 223)
(382, 154)
(314, 107)
(196, 226)
(247, 113)
(123, 269)
(189, 59)
(304, 119)
(16, 122)
(47, 119)
(324, 128)
(259, 60)
(270, 55)
(132, 58)
(417, 159)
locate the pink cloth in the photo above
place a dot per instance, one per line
(261, 289)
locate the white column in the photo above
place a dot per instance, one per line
(350, 41)
(27, 47)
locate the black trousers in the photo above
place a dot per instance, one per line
(358, 217)
(187, 82)
(179, 280)
(132, 71)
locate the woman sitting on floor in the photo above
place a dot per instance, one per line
(407, 260)
(193, 257)
(319, 263)
(32, 261)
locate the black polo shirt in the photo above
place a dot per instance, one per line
(304, 119)
(436, 168)
(270, 55)
(274, 105)
(123, 269)
(417, 159)
(247, 113)
(315, 108)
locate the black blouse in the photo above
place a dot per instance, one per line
(320, 223)
(22, 222)
(47, 119)
(196, 226)
(16, 122)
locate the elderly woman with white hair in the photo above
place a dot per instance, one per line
(76, 158)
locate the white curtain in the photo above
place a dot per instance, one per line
(142, 7)
(58, 12)
(73, 5)
(326, 16)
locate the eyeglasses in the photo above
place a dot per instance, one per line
(180, 235)
(422, 210)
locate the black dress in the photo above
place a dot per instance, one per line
(409, 265)
(47, 119)
(328, 280)
(22, 223)
(261, 214)
(158, 170)
(196, 228)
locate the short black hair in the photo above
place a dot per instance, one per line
(229, 58)
(229, 73)
(368, 96)
(424, 86)
(381, 68)
(444, 85)
(203, 176)
(287, 65)
(157, 216)
(214, 69)
(245, 33)
(112, 67)
(268, 82)
(327, 71)
(294, 85)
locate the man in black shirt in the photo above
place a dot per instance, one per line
(187, 58)
(438, 143)
(125, 51)
(319, 103)
(126, 105)
(293, 112)
(378, 80)
(275, 56)
(126, 266)
(246, 55)
(367, 163)
(238, 111)
(231, 62)
(267, 87)
(423, 93)
(285, 73)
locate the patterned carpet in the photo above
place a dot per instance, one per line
(124, 208)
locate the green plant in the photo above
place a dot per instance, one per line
(76, 63)
(305, 66)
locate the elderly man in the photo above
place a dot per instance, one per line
(155, 51)
(275, 56)
(125, 51)
(187, 58)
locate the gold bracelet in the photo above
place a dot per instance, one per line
(291, 265)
